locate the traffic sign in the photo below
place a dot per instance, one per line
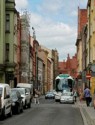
(88, 76)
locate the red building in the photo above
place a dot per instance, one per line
(69, 66)
(82, 19)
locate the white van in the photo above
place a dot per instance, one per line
(6, 103)
(26, 85)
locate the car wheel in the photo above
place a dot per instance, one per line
(22, 107)
(18, 109)
(10, 114)
(60, 102)
(56, 100)
(73, 102)
(29, 105)
(25, 105)
(3, 115)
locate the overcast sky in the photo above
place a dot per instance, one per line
(55, 23)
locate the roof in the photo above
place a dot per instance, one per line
(62, 76)
(3, 84)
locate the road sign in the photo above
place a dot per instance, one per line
(88, 76)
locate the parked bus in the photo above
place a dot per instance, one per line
(63, 82)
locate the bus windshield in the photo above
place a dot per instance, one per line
(63, 83)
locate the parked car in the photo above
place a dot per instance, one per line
(17, 102)
(26, 85)
(49, 95)
(0, 102)
(5, 101)
(67, 97)
(26, 96)
(53, 91)
(58, 96)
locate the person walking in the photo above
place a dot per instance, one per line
(75, 95)
(36, 96)
(87, 96)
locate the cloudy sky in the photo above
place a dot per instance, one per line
(55, 23)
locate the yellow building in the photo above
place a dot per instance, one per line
(47, 58)
(91, 41)
(82, 20)
(79, 54)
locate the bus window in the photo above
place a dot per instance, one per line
(57, 82)
(70, 84)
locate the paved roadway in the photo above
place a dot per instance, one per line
(48, 112)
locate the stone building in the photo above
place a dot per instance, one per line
(25, 38)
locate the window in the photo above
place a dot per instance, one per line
(1, 91)
(7, 52)
(7, 46)
(7, 23)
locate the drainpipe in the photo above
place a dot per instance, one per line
(89, 37)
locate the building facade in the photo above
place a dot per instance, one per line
(25, 48)
(82, 21)
(55, 58)
(8, 23)
(2, 40)
(91, 44)
(69, 66)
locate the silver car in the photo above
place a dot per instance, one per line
(26, 97)
(67, 97)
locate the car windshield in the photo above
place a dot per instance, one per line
(49, 92)
(0, 91)
(13, 95)
(22, 91)
(67, 94)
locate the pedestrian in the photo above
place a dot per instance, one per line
(80, 95)
(87, 95)
(36, 96)
(75, 95)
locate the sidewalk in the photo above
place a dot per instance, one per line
(88, 113)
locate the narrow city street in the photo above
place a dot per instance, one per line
(48, 112)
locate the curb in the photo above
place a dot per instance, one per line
(87, 119)
(83, 116)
